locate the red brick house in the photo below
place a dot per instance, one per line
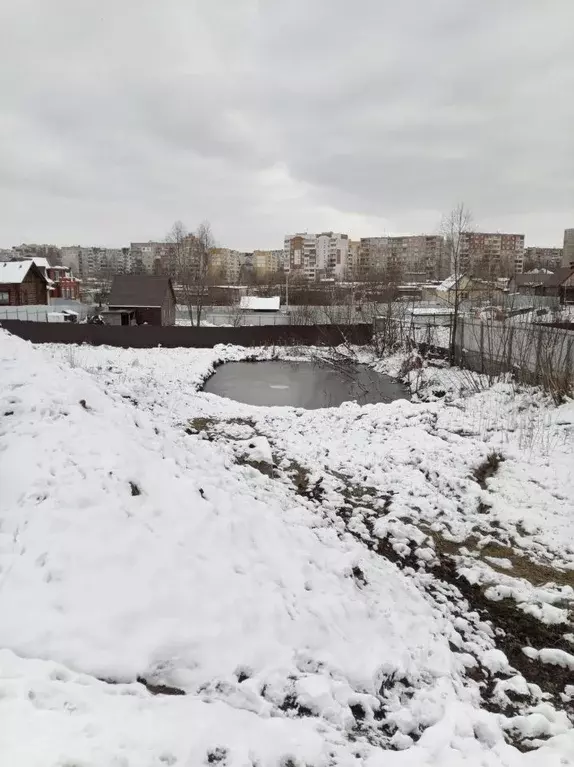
(65, 285)
(22, 283)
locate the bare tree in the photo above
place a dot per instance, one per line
(204, 245)
(189, 265)
(454, 225)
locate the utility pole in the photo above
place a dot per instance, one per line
(287, 290)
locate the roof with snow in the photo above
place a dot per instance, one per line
(41, 262)
(257, 304)
(139, 290)
(15, 272)
(548, 280)
(447, 284)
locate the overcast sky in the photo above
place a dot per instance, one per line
(118, 117)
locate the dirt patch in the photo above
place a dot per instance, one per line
(212, 425)
(262, 466)
(487, 468)
(197, 425)
(522, 566)
(159, 689)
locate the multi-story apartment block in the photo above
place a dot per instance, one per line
(568, 250)
(542, 258)
(317, 255)
(143, 256)
(491, 254)
(373, 256)
(29, 250)
(93, 261)
(266, 262)
(411, 258)
(89, 261)
(353, 259)
(224, 265)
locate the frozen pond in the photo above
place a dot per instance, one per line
(302, 384)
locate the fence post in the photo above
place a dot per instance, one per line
(459, 356)
(538, 355)
(482, 347)
(509, 355)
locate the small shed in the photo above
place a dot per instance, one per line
(150, 298)
(258, 304)
(22, 283)
(119, 317)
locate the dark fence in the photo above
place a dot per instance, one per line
(148, 336)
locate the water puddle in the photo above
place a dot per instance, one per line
(303, 384)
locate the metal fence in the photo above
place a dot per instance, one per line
(40, 312)
(534, 352)
(148, 336)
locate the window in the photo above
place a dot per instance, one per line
(4, 297)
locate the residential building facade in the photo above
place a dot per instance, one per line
(412, 258)
(224, 265)
(353, 260)
(143, 256)
(542, 258)
(313, 256)
(568, 250)
(266, 262)
(491, 254)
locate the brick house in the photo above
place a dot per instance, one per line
(22, 283)
(150, 299)
(65, 285)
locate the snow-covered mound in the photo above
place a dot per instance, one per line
(131, 550)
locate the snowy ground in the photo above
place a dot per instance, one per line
(350, 586)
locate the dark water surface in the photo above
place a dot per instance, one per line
(302, 384)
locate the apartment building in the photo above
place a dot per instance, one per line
(314, 256)
(224, 265)
(266, 262)
(90, 261)
(491, 254)
(32, 250)
(353, 259)
(373, 256)
(542, 258)
(143, 256)
(568, 250)
(413, 258)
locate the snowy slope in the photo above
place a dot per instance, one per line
(130, 549)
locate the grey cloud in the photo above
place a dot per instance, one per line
(375, 111)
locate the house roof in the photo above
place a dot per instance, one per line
(257, 304)
(530, 279)
(41, 262)
(139, 290)
(559, 276)
(449, 283)
(15, 272)
(549, 280)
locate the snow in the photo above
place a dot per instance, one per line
(447, 284)
(14, 272)
(130, 548)
(258, 304)
(553, 656)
